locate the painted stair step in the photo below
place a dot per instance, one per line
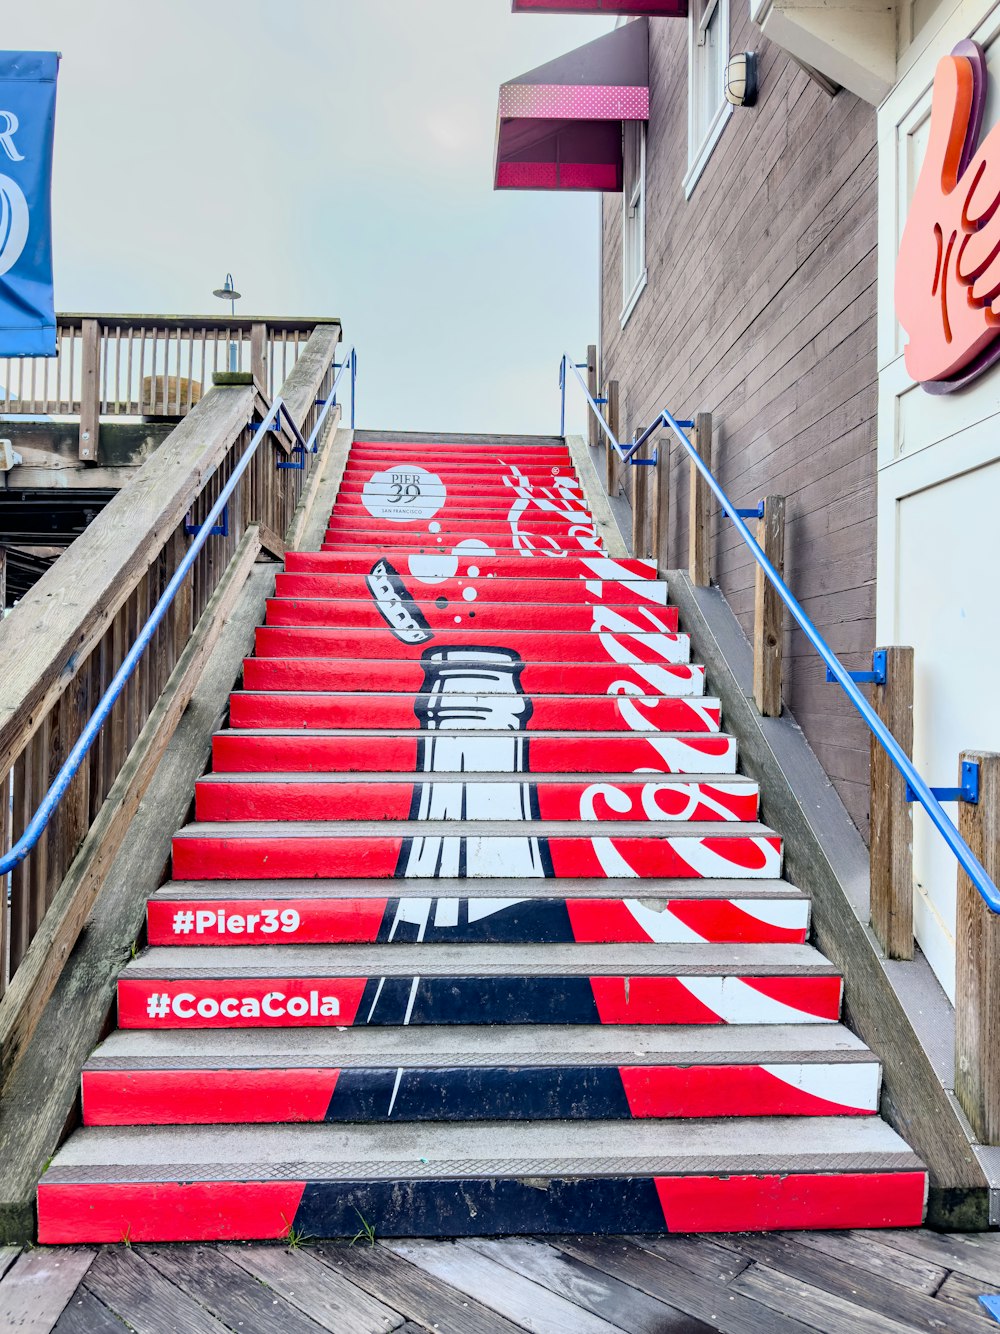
(438, 614)
(249, 710)
(136, 1078)
(580, 566)
(230, 913)
(552, 851)
(294, 751)
(407, 678)
(296, 641)
(307, 986)
(429, 458)
(557, 593)
(232, 796)
(204, 1183)
(495, 510)
(413, 544)
(393, 474)
(477, 525)
(223, 920)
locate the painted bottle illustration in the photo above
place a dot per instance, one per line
(468, 692)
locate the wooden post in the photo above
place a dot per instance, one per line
(611, 416)
(640, 474)
(977, 961)
(700, 506)
(891, 838)
(661, 505)
(768, 614)
(90, 390)
(258, 356)
(592, 427)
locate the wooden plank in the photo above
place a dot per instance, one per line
(85, 1314)
(977, 960)
(659, 547)
(303, 383)
(769, 611)
(878, 1293)
(872, 1252)
(35, 979)
(788, 1296)
(318, 1289)
(38, 1287)
(510, 1294)
(143, 1298)
(271, 542)
(699, 506)
(704, 1298)
(612, 415)
(592, 389)
(891, 833)
(976, 1254)
(640, 487)
(90, 391)
(228, 1291)
(963, 1292)
(405, 1288)
(589, 1288)
(258, 354)
(40, 1094)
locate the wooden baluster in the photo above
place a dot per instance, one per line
(640, 474)
(891, 836)
(90, 391)
(700, 506)
(258, 354)
(768, 617)
(593, 429)
(661, 504)
(611, 414)
(977, 961)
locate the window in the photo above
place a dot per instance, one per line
(708, 110)
(633, 216)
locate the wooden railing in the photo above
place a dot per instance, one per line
(61, 645)
(977, 927)
(146, 366)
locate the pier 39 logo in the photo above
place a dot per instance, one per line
(14, 220)
(948, 271)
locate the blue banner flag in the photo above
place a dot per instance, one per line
(27, 124)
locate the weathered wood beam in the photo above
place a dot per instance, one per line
(891, 835)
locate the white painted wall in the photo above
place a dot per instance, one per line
(938, 492)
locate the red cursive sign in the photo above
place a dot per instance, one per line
(948, 271)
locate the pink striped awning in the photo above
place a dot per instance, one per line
(559, 127)
(663, 8)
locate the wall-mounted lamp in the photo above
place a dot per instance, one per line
(741, 80)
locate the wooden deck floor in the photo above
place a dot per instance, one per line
(787, 1283)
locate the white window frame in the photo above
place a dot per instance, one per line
(634, 219)
(702, 139)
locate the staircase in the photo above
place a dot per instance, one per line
(476, 929)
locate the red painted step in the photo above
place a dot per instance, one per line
(489, 616)
(580, 565)
(554, 594)
(322, 674)
(531, 646)
(286, 851)
(334, 752)
(567, 713)
(305, 797)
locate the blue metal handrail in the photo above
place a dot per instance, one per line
(60, 784)
(922, 792)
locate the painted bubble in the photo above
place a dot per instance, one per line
(403, 492)
(469, 594)
(434, 568)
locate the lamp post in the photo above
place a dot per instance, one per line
(228, 292)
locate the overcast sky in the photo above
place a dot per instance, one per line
(336, 155)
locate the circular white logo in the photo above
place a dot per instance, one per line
(13, 223)
(403, 493)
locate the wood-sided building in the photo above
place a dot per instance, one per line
(763, 260)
